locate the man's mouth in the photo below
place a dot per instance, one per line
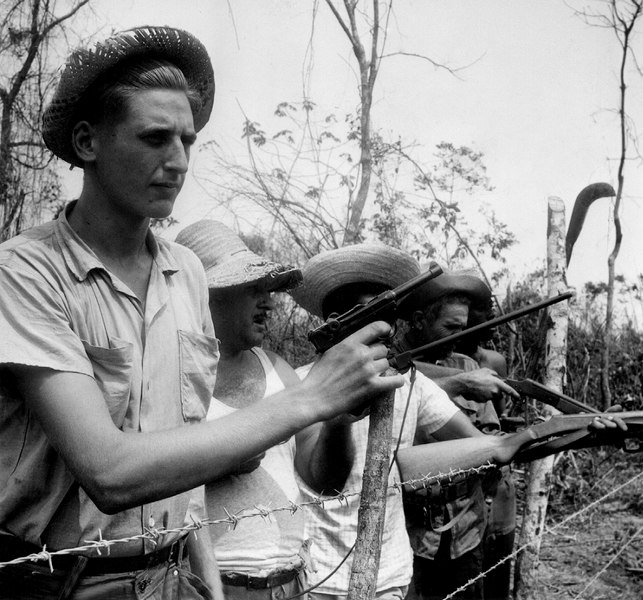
(260, 319)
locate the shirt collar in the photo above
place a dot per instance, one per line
(81, 259)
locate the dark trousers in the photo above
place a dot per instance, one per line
(437, 578)
(497, 584)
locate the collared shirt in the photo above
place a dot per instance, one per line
(61, 309)
(333, 526)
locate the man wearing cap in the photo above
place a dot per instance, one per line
(108, 349)
(334, 282)
(447, 536)
(262, 558)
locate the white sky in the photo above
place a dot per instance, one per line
(535, 100)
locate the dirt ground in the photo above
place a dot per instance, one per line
(597, 555)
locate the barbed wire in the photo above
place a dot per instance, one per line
(606, 566)
(552, 529)
(152, 534)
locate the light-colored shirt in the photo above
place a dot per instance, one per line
(333, 527)
(257, 545)
(61, 309)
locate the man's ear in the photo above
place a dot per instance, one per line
(417, 319)
(83, 140)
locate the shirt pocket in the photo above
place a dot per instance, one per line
(198, 358)
(113, 373)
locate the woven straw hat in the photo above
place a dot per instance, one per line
(86, 65)
(464, 282)
(229, 262)
(361, 263)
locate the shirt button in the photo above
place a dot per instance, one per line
(151, 522)
(175, 572)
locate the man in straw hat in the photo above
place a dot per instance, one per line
(334, 282)
(447, 536)
(108, 345)
(259, 558)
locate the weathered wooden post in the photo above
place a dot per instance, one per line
(538, 485)
(372, 507)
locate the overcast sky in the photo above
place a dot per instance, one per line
(537, 98)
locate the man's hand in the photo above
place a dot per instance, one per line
(611, 422)
(483, 385)
(352, 372)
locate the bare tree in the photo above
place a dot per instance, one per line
(622, 17)
(26, 178)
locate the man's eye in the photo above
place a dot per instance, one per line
(155, 139)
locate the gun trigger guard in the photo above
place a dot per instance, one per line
(632, 445)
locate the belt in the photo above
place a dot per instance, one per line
(11, 548)
(258, 583)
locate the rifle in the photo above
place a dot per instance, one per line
(567, 432)
(565, 404)
(383, 307)
(402, 361)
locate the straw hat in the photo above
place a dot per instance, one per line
(229, 262)
(85, 66)
(361, 263)
(464, 282)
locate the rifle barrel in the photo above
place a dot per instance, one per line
(404, 357)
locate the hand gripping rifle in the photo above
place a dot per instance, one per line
(571, 431)
(383, 307)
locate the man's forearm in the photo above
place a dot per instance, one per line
(325, 457)
(416, 462)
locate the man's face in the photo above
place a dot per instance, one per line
(451, 319)
(240, 315)
(141, 160)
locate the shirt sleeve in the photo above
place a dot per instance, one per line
(35, 325)
(434, 406)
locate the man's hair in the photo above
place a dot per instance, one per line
(345, 297)
(106, 99)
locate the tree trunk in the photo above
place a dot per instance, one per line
(372, 508)
(537, 495)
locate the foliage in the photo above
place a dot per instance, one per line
(28, 181)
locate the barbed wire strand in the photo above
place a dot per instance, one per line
(152, 534)
(552, 529)
(593, 580)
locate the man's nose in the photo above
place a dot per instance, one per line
(178, 157)
(267, 301)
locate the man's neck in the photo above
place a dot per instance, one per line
(120, 243)
(111, 235)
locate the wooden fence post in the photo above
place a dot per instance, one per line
(372, 507)
(538, 486)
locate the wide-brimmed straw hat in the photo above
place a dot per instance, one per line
(229, 262)
(463, 282)
(86, 65)
(361, 263)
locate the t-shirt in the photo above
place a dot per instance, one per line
(257, 545)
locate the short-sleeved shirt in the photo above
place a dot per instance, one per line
(61, 309)
(258, 545)
(333, 527)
